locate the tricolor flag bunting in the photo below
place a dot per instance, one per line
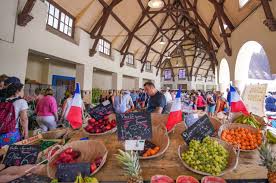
(236, 103)
(75, 112)
(175, 115)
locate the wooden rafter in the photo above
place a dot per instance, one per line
(183, 57)
(99, 27)
(200, 64)
(270, 21)
(24, 16)
(219, 11)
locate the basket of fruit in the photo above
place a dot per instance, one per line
(90, 151)
(212, 156)
(55, 134)
(104, 126)
(252, 120)
(248, 138)
(158, 144)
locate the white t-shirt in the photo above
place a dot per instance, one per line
(168, 96)
(19, 105)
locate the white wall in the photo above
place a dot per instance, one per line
(129, 83)
(35, 36)
(99, 77)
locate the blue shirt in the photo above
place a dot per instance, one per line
(134, 96)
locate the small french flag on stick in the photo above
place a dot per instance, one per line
(236, 102)
(74, 116)
(175, 115)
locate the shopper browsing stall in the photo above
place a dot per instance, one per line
(157, 101)
(46, 110)
(12, 133)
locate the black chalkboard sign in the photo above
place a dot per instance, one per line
(200, 129)
(32, 178)
(134, 126)
(67, 172)
(18, 155)
(101, 110)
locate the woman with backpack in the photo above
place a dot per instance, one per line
(211, 105)
(10, 127)
(200, 102)
(46, 110)
(221, 105)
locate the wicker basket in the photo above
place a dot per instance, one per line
(237, 125)
(234, 116)
(157, 119)
(55, 134)
(89, 149)
(232, 160)
(113, 130)
(159, 138)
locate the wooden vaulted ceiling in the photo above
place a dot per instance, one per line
(193, 30)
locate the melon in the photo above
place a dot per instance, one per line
(161, 179)
(186, 179)
(212, 179)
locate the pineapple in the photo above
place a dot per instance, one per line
(268, 159)
(130, 164)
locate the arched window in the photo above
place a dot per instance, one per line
(252, 63)
(242, 2)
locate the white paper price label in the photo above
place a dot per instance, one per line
(105, 103)
(134, 145)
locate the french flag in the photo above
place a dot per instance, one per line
(175, 115)
(75, 112)
(236, 102)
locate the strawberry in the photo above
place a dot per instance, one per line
(106, 117)
(108, 127)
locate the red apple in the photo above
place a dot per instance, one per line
(93, 167)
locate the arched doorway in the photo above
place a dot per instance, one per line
(224, 75)
(252, 65)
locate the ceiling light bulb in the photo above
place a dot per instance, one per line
(177, 64)
(46, 58)
(169, 56)
(162, 42)
(156, 3)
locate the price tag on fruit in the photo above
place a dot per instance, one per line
(134, 145)
(67, 172)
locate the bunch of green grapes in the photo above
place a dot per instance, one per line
(206, 156)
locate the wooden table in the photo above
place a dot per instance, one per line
(170, 163)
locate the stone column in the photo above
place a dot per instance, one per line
(84, 74)
(117, 81)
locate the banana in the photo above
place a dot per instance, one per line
(270, 137)
(90, 180)
(79, 179)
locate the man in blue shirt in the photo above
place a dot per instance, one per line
(157, 100)
(134, 97)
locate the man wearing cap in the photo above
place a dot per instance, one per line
(7, 82)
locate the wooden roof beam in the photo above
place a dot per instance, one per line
(24, 16)
(219, 12)
(183, 57)
(270, 21)
(145, 55)
(126, 45)
(99, 27)
(201, 61)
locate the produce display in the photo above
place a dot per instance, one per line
(245, 138)
(206, 156)
(95, 164)
(161, 179)
(268, 160)
(211, 179)
(67, 156)
(271, 137)
(45, 144)
(80, 179)
(185, 179)
(149, 150)
(130, 164)
(249, 120)
(100, 126)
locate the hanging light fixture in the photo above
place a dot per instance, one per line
(162, 41)
(177, 63)
(156, 4)
(169, 56)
